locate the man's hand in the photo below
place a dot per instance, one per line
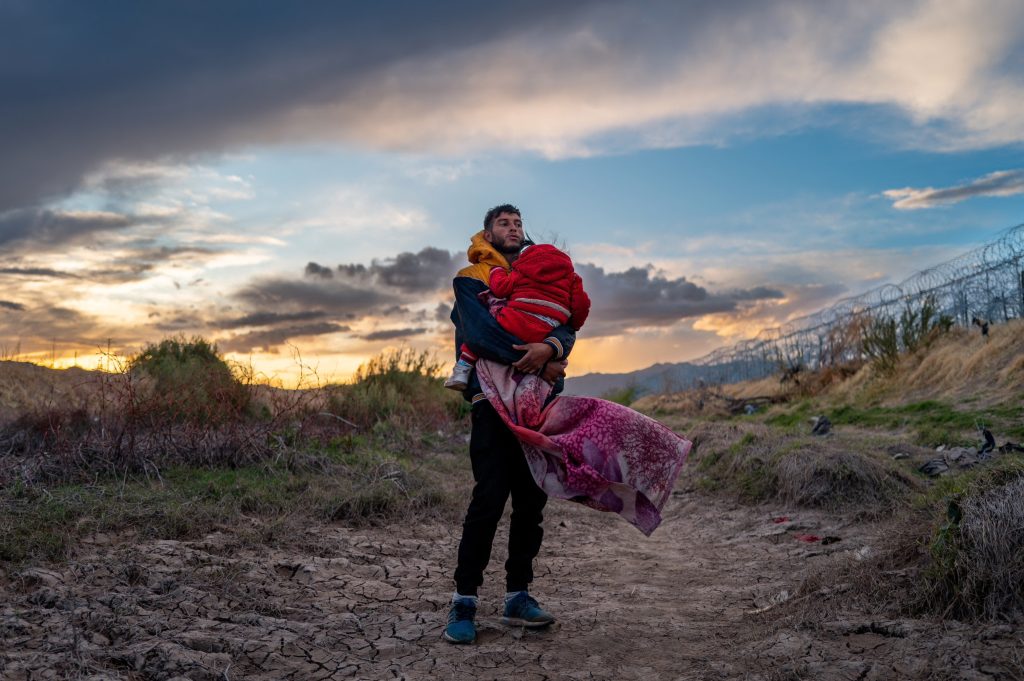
(536, 355)
(554, 370)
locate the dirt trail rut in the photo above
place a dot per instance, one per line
(371, 603)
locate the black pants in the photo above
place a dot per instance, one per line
(500, 470)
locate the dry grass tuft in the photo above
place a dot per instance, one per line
(958, 553)
(757, 463)
(821, 477)
(978, 556)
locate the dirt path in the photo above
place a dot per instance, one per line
(370, 604)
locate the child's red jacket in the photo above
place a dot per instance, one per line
(542, 282)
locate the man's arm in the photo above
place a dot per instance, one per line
(475, 327)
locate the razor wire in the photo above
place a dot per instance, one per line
(986, 283)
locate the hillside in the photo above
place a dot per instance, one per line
(960, 368)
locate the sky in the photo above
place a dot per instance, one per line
(298, 182)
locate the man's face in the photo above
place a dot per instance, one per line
(506, 233)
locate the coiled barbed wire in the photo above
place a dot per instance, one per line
(986, 283)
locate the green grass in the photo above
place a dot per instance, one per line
(353, 485)
(794, 416)
(932, 422)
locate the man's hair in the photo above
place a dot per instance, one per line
(498, 210)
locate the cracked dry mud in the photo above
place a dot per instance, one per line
(348, 603)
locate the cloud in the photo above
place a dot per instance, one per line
(391, 334)
(999, 183)
(336, 298)
(568, 78)
(147, 82)
(412, 273)
(315, 270)
(58, 227)
(36, 272)
(427, 270)
(41, 326)
(268, 319)
(268, 340)
(749, 320)
(638, 297)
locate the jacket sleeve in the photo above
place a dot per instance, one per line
(475, 327)
(503, 282)
(579, 303)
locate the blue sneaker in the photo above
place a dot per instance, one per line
(524, 611)
(460, 627)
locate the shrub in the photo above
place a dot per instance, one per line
(624, 396)
(399, 389)
(886, 337)
(187, 380)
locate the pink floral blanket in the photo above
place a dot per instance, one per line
(594, 452)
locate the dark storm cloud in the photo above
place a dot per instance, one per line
(315, 270)
(268, 339)
(424, 271)
(84, 82)
(52, 227)
(391, 334)
(178, 323)
(337, 299)
(269, 319)
(443, 312)
(351, 292)
(636, 297)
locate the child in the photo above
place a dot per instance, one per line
(543, 292)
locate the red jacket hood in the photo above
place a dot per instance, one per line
(544, 263)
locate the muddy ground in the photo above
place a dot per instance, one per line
(694, 601)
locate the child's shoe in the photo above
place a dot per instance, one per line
(460, 376)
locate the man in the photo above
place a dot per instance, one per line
(500, 469)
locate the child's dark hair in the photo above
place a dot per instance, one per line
(498, 210)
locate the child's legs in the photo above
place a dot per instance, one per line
(467, 355)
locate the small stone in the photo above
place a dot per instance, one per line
(99, 639)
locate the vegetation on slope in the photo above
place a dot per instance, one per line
(960, 552)
(180, 443)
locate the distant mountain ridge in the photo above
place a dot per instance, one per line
(657, 378)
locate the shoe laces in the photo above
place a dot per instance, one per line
(461, 612)
(525, 602)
